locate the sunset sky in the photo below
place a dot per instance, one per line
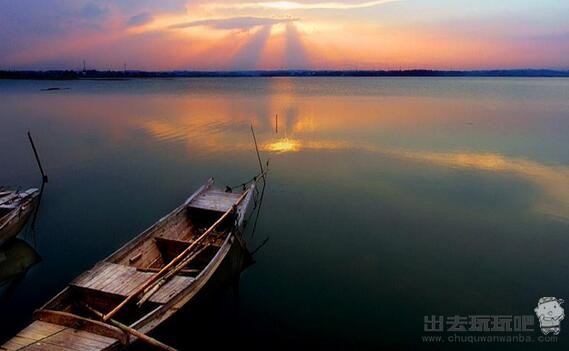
(301, 34)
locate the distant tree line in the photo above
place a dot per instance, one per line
(95, 74)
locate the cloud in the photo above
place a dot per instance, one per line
(552, 37)
(154, 6)
(234, 23)
(140, 19)
(92, 11)
(293, 5)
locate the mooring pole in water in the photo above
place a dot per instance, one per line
(44, 177)
(277, 123)
(258, 155)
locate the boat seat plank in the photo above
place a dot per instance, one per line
(92, 329)
(215, 200)
(39, 330)
(122, 280)
(170, 248)
(17, 342)
(173, 247)
(45, 336)
(77, 340)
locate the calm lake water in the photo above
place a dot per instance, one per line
(388, 199)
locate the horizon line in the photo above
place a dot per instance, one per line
(67, 74)
(289, 70)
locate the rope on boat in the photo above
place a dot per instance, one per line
(262, 173)
(229, 189)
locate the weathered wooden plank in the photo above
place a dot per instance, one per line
(217, 192)
(135, 283)
(171, 288)
(17, 342)
(81, 323)
(9, 346)
(95, 338)
(112, 274)
(171, 248)
(182, 272)
(39, 330)
(215, 200)
(135, 257)
(89, 276)
(78, 340)
(43, 346)
(130, 281)
(126, 279)
(107, 272)
(120, 275)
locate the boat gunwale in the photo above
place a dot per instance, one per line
(16, 208)
(24, 206)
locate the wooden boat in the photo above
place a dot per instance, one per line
(16, 208)
(207, 228)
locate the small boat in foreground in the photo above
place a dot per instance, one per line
(195, 248)
(16, 208)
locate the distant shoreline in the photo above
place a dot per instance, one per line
(120, 75)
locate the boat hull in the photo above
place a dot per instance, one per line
(13, 224)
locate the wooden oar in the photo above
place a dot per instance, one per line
(174, 262)
(147, 339)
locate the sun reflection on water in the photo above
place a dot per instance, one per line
(283, 145)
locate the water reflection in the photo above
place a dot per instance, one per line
(203, 137)
(436, 187)
(16, 258)
(552, 181)
(217, 136)
(283, 145)
(450, 124)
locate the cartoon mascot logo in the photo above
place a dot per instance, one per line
(550, 314)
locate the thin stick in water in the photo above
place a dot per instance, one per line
(44, 176)
(258, 155)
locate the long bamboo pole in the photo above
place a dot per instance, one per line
(172, 263)
(152, 289)
(147, 339)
